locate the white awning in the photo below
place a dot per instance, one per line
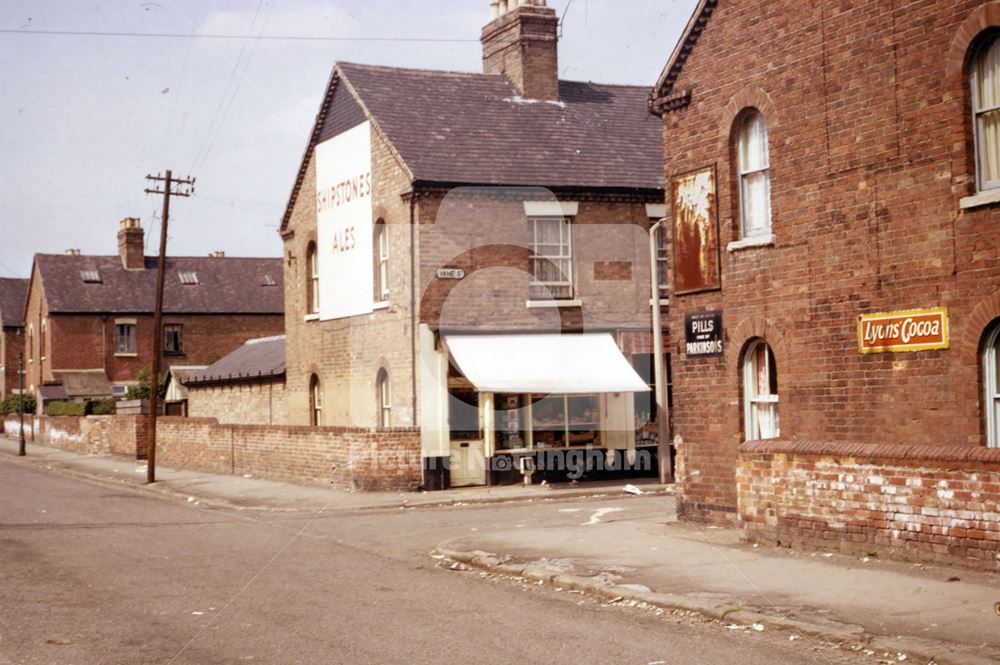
(544, 364)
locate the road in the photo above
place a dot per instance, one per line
(94, 573)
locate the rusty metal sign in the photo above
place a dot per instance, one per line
(696, 233)
(908, 330)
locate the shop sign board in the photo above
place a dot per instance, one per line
(908, 330)
(344, 218)
(703, 333)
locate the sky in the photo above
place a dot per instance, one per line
(85, 117)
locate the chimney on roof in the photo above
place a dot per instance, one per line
(218, 255)
(521, 42)
(131, 244)
(72, 252)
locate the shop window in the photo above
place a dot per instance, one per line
(124, 338)
(173, 341)
(565, 420)
(760, 392)
(381, 246)
(754, 175)
(383, 398)
(312, 291)
(315, 401)
(985, 83)
(645, 403)
(991, 381)
(551, 258)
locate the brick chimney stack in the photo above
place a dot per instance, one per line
(521, 42)
(131, 244)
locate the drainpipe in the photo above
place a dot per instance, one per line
(663, 452)
(413, 303)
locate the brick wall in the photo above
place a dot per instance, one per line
(880, 500)
(343, 457)
(870, 147)
(240, 403)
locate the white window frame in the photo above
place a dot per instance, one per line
(754, 402)
(991, 388)
(382, 261)
(550, 290)
(746, 119)
(312, 256)
(384, 398)
(315, 401)
(978, 112)
(134, 337)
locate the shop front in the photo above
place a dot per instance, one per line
(534, 407)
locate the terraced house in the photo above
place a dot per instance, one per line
(833, 178)
(13, 293)
(467, 254)
(89, 319)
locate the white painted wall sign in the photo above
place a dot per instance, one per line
(344, 214)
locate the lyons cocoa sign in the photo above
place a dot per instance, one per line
(910, 330)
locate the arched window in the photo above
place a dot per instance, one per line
(754, 175)
(383, 398)
(381, 246)
(312, 291)
(31, 342)
(760, 392)
(985, 83)
(991, 384)
(315, 401)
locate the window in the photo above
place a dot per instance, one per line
(384, 398)
(90, 276)
(661, 261)
(188, 278)
(645, 403)
(31, 345)
(565, 420)
(551, 258)
(173, 343)
(754, 176)
(312, 294)
(124, 338)
(760, 392)
(986, 113)
(381, 262)
(41, 340)
(991, 381)
(315, 402)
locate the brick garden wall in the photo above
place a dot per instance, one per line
(342, 457)
(915, 503)
(260, 403)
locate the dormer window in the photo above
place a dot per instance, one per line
(268, 281)
(90, 276)
(188, 277)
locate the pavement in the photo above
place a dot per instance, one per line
(887, 610)
(248, 492)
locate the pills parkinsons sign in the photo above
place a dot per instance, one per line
(909, 330)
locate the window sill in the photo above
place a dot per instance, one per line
(126, 355)
(979, 199)
(311, 317)
(549, 304)
(384, 304)
(747, 243)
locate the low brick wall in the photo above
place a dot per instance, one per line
(120, 435)
(936, 504)
(344, 457)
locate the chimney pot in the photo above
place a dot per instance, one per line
(72, 252)
(217, 254)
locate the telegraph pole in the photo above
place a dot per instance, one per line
(171, 187)
(20, 407)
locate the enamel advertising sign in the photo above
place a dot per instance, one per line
(910, 330)
(344, 214)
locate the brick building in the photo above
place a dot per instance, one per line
(88, 319)
(447, 237)
(246, 386)
(13, 293)
(835, 346)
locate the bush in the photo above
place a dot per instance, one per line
(104, 407)
(66, 409)
(9, 404)
(141, 389)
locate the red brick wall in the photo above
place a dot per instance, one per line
(889, 500)
(870, 146)
(11, 346)
(99, 435)
(343, 457)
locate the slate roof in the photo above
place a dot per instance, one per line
(257, 359)
(468, 128)
(13, 294)
(83, 382)
(226, 285)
